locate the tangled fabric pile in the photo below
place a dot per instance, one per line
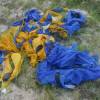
(66, 66)
(32, 37)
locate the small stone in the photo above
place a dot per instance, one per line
(3, 28)
(4, 91)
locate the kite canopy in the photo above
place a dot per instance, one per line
(73, 21)
(66, 66)
(58, 65)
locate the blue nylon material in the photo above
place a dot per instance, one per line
(73, 67)
(33, 14)
(1, 57)
(28, 28)
(73, 21)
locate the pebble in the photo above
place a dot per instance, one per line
(3, 28)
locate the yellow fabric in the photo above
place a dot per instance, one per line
(17, 61)
(56, 28)
(25, 36)
(65, 9)
(14, 54)
(40, 41)
(30, 52)
(6, 40)
(56, 17)
(30, 49)
(21, 36)
(56, 22)
(50, 12)
(33, 34)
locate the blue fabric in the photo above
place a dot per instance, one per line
(75, 16)
(71, 28)
(73, 21)
(66, 66)
(41, 31)
(28, 27)
(18, 23)
(32, 14)
(1, 57)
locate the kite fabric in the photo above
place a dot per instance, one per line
(33, 19)
(31, 37)
(66, 66)
(12, 62)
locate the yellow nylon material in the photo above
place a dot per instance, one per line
(17, 61)
(30, 52)
(56, 22)
(40, 41)
(21, 36)
(6, 40)
(35, 51)
(56, 17)
(56, 28)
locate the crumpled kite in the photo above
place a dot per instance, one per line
(28, 37)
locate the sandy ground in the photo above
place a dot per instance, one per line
(18, 94)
